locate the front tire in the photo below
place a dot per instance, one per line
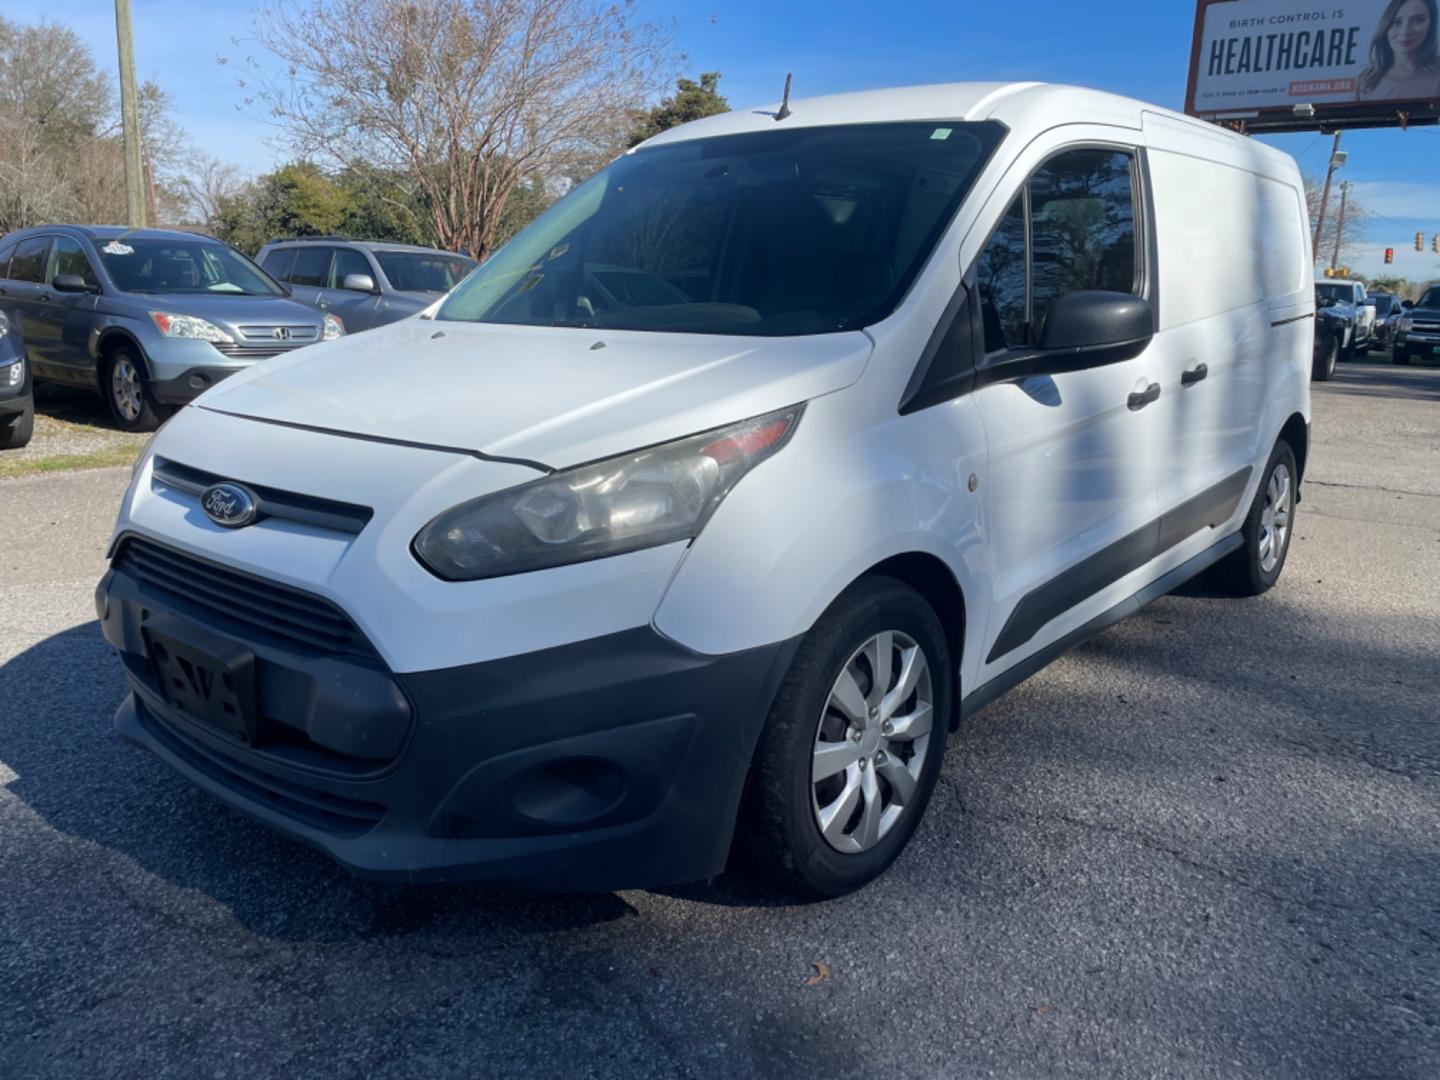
(126, 386)
(1324, 366)
(853, 744)
(17, 430)
(1266, 534)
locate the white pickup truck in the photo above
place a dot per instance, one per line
(1352, 295)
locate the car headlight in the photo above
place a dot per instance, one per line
(637, 500)
(1404, 325)
(188, 326)
(4, 324)
(13, 375)
(333, 327)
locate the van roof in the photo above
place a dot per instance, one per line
(1028, 107)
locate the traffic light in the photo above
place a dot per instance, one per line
(1389, 256)
(1419, 241)
(1435, 242)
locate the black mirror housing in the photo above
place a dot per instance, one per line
(72, 283)
(1083, 330)
(1407, 304)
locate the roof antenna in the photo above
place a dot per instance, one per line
(785, 104)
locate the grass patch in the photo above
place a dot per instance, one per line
(98, 459)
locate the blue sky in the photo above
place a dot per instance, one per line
(1139, 48)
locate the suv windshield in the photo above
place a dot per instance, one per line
(414, 271)
(793, 231)
(183, 266)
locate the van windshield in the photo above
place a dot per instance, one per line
(793, 231)
(139, 265)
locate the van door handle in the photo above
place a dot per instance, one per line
(1148, 396)
(1191, 376)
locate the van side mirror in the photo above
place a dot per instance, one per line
(72, 283)
(1082, 330)
(359, 283)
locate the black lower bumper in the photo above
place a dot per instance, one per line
(190, 384)
(613, 763)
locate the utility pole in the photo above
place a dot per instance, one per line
(1340, 224)
(1336, 160)
(130, 118)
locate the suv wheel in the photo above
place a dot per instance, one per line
(126, 387)
(853, 744)
(16, 431)
(1256, 566)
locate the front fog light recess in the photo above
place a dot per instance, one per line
(637, 500)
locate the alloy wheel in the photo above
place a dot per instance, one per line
(871, 743)
(125, 388)
(1275, 518)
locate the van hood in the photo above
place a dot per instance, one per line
(551, 396)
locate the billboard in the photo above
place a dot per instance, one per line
(1301, 64)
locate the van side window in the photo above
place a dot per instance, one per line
(70, 258)
(1001, 273)
(1082, 227)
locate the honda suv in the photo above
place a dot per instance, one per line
(150, 318)
(367, 284)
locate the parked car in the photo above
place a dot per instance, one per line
(1417, 331)
(1351, 295)
(150, 318)
(17, 405)
(551, 590)
(1388, 310)
(367, 284)
(1332, 335)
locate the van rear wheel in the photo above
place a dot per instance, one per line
(853, 744)
(1267, 531)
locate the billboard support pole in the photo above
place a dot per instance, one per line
(1339, 225)
(1325, 195)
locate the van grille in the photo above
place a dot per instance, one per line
(238, 598)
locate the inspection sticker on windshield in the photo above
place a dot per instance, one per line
(941, 133)
(115, 247)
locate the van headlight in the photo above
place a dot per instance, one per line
(637, 500)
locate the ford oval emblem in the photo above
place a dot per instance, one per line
(231, 505)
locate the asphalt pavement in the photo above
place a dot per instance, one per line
(1206, 844)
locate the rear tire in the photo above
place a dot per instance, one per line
(1266, 534)
(126, 386)
(17, 430)
(842, 712)
(1324, 365)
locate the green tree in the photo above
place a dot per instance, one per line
(692, 101)
(298, 199)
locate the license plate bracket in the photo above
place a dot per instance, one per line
(207, 679)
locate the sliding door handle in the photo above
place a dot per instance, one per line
(1141, 398)
(1193, 375)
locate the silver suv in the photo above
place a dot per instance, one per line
(367, 283)
(149, 317)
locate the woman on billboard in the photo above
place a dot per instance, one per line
(1404, 65)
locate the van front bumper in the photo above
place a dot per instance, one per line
(617, 762)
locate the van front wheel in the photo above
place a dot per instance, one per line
(853, 744)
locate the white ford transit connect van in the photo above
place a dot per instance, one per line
(709, 507)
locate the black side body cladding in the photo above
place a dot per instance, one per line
(1109, 565)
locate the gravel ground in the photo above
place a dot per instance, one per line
(1206, 844)
(71, 422)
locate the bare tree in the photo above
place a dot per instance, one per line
(468, 99)
(206, 183)
(1354, 234)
